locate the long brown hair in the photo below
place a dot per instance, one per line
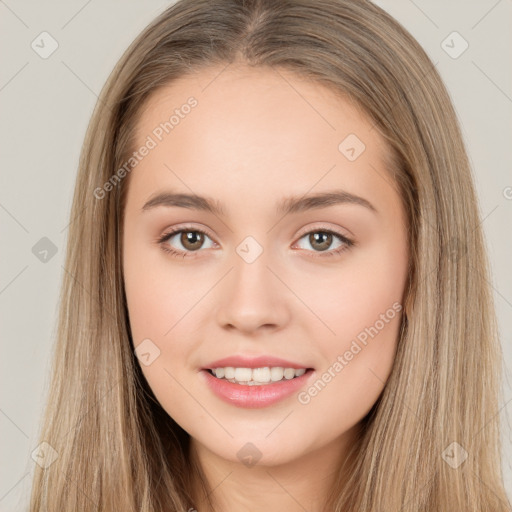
(117, 448)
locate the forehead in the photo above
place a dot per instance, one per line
(239, 96)
(252, 131)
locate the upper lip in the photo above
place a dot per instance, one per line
(241, 361)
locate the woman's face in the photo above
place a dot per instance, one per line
(296, 258)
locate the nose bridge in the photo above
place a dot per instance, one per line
(251, 297)
(251, 272)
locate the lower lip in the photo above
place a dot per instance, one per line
(253, 397)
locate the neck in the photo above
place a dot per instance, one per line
(302, 484)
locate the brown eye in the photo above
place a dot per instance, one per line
(189, 241)
(192, 240)
(320, 240)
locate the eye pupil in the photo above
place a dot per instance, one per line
(192, 240)
(325, 240)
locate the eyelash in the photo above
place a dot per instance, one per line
(191, 254)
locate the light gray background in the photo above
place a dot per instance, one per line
(46, 105)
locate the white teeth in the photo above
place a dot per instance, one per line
(257, 376)
(219, 372)
(276, 373)
(261, 374)
(289, 373)
(229, 372)
(243, 374)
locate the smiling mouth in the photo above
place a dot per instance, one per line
(257, 376)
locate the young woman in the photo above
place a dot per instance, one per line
(276, 292)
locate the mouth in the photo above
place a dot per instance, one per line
(252, 388)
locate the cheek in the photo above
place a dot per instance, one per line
(158, 322)
(145, 299)
(356, 365)
(163, 300)
(362, 306)
(156, 293)
(365, 289)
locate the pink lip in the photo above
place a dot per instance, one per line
(252, 397)
(253, 362)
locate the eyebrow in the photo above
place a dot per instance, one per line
(290, 204)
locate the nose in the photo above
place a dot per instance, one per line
(253, 298)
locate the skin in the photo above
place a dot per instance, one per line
(255, 137)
